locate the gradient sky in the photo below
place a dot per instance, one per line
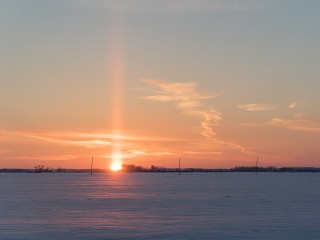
(215, 82)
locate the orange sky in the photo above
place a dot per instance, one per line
(213, 84)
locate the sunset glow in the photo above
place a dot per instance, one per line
(216, 83)
(159, 119)
(116, 167)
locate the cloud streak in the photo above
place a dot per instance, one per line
(257, 107)
(297, 103)
(303, 125)
(150, 153)
(131, 144)
(189, 101)
(45, 158)
(297, 125)
(82, 139)
(65, 139)
(293, 105)
(87, 143)
(299, 114)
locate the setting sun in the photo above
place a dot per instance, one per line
(163, 119)
(206, 103)
(116, 163)
(116, 167)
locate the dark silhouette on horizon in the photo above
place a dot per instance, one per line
(157, 169)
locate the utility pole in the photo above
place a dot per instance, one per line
(91, 164)
(179, 167)
(257, 165)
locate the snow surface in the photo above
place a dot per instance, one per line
(159, 206)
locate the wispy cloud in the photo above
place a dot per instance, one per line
(293, 105)
(66, 139)
(257, 107)
(298, 125)
(190, 101)
(87, 143)
(202, 153)
(81, 139)
(297, 103)
(45, 158)
(93, 140)
(299, 114)
(97, 135)
(150, 153)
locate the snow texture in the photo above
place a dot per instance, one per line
(160, 206)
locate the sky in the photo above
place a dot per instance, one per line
(216, 83)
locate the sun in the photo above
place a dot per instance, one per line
(116, 167)
(116, 162)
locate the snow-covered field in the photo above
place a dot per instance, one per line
(160, 206)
